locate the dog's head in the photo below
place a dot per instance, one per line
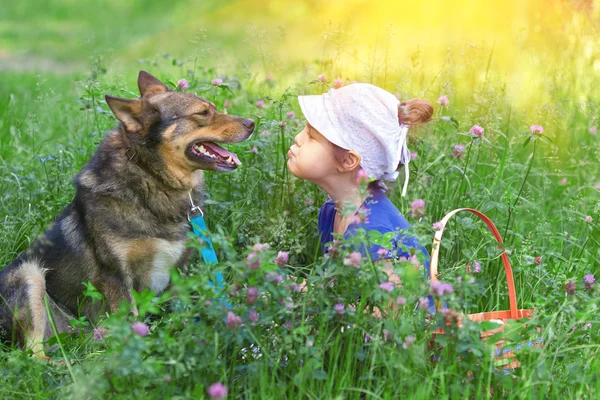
(176, 130)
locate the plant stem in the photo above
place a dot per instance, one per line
(58, 341)
(465, 171)
(512, 209)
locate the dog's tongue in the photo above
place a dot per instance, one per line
(222, 152)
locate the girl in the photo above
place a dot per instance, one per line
(356, 131)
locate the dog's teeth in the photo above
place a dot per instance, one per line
(229, 160)
(202, 150)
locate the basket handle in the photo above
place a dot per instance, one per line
(435, 254)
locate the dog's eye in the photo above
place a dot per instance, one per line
(204, 113)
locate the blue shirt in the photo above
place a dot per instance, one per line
(382, 216)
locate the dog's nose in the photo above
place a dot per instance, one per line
(249, 125)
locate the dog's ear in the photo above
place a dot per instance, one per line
(128, 111)
(149, 85)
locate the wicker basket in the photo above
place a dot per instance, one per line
(504, 353)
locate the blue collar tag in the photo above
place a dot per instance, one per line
(208, 251)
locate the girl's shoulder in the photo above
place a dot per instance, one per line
(327, 209)
(326, 214)
(382, 215)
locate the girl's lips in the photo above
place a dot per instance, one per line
(290, 153)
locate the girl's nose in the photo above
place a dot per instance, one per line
(297, 140)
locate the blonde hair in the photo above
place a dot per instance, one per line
(415, 112)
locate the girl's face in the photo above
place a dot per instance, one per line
(311, 157)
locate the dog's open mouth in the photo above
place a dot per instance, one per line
(211, 152)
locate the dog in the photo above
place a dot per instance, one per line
(128, 222)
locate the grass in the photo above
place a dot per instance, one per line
(53, 119)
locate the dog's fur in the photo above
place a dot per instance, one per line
(128, 221)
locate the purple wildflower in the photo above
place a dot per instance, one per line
(252, 295)
(353, 259)
(183, 84)
(273, 277)
(362, 177)
(459, 151)
(424, 303)
(474, 267)
(217, 81)
(282, 258)
(443, 100)
(408, 341)
(570, 287)
(354, 220)
(339, 308)
(253, 315)
(382, 252)
(140, 328)
(253, 261)
(537, 130)
(588, 281)
(386, 286)
(477, 130)
(217, 391)
(439, 289)
(414, 260)
(233, 321)
(261, 247)
(100, 334)
(417, 208)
